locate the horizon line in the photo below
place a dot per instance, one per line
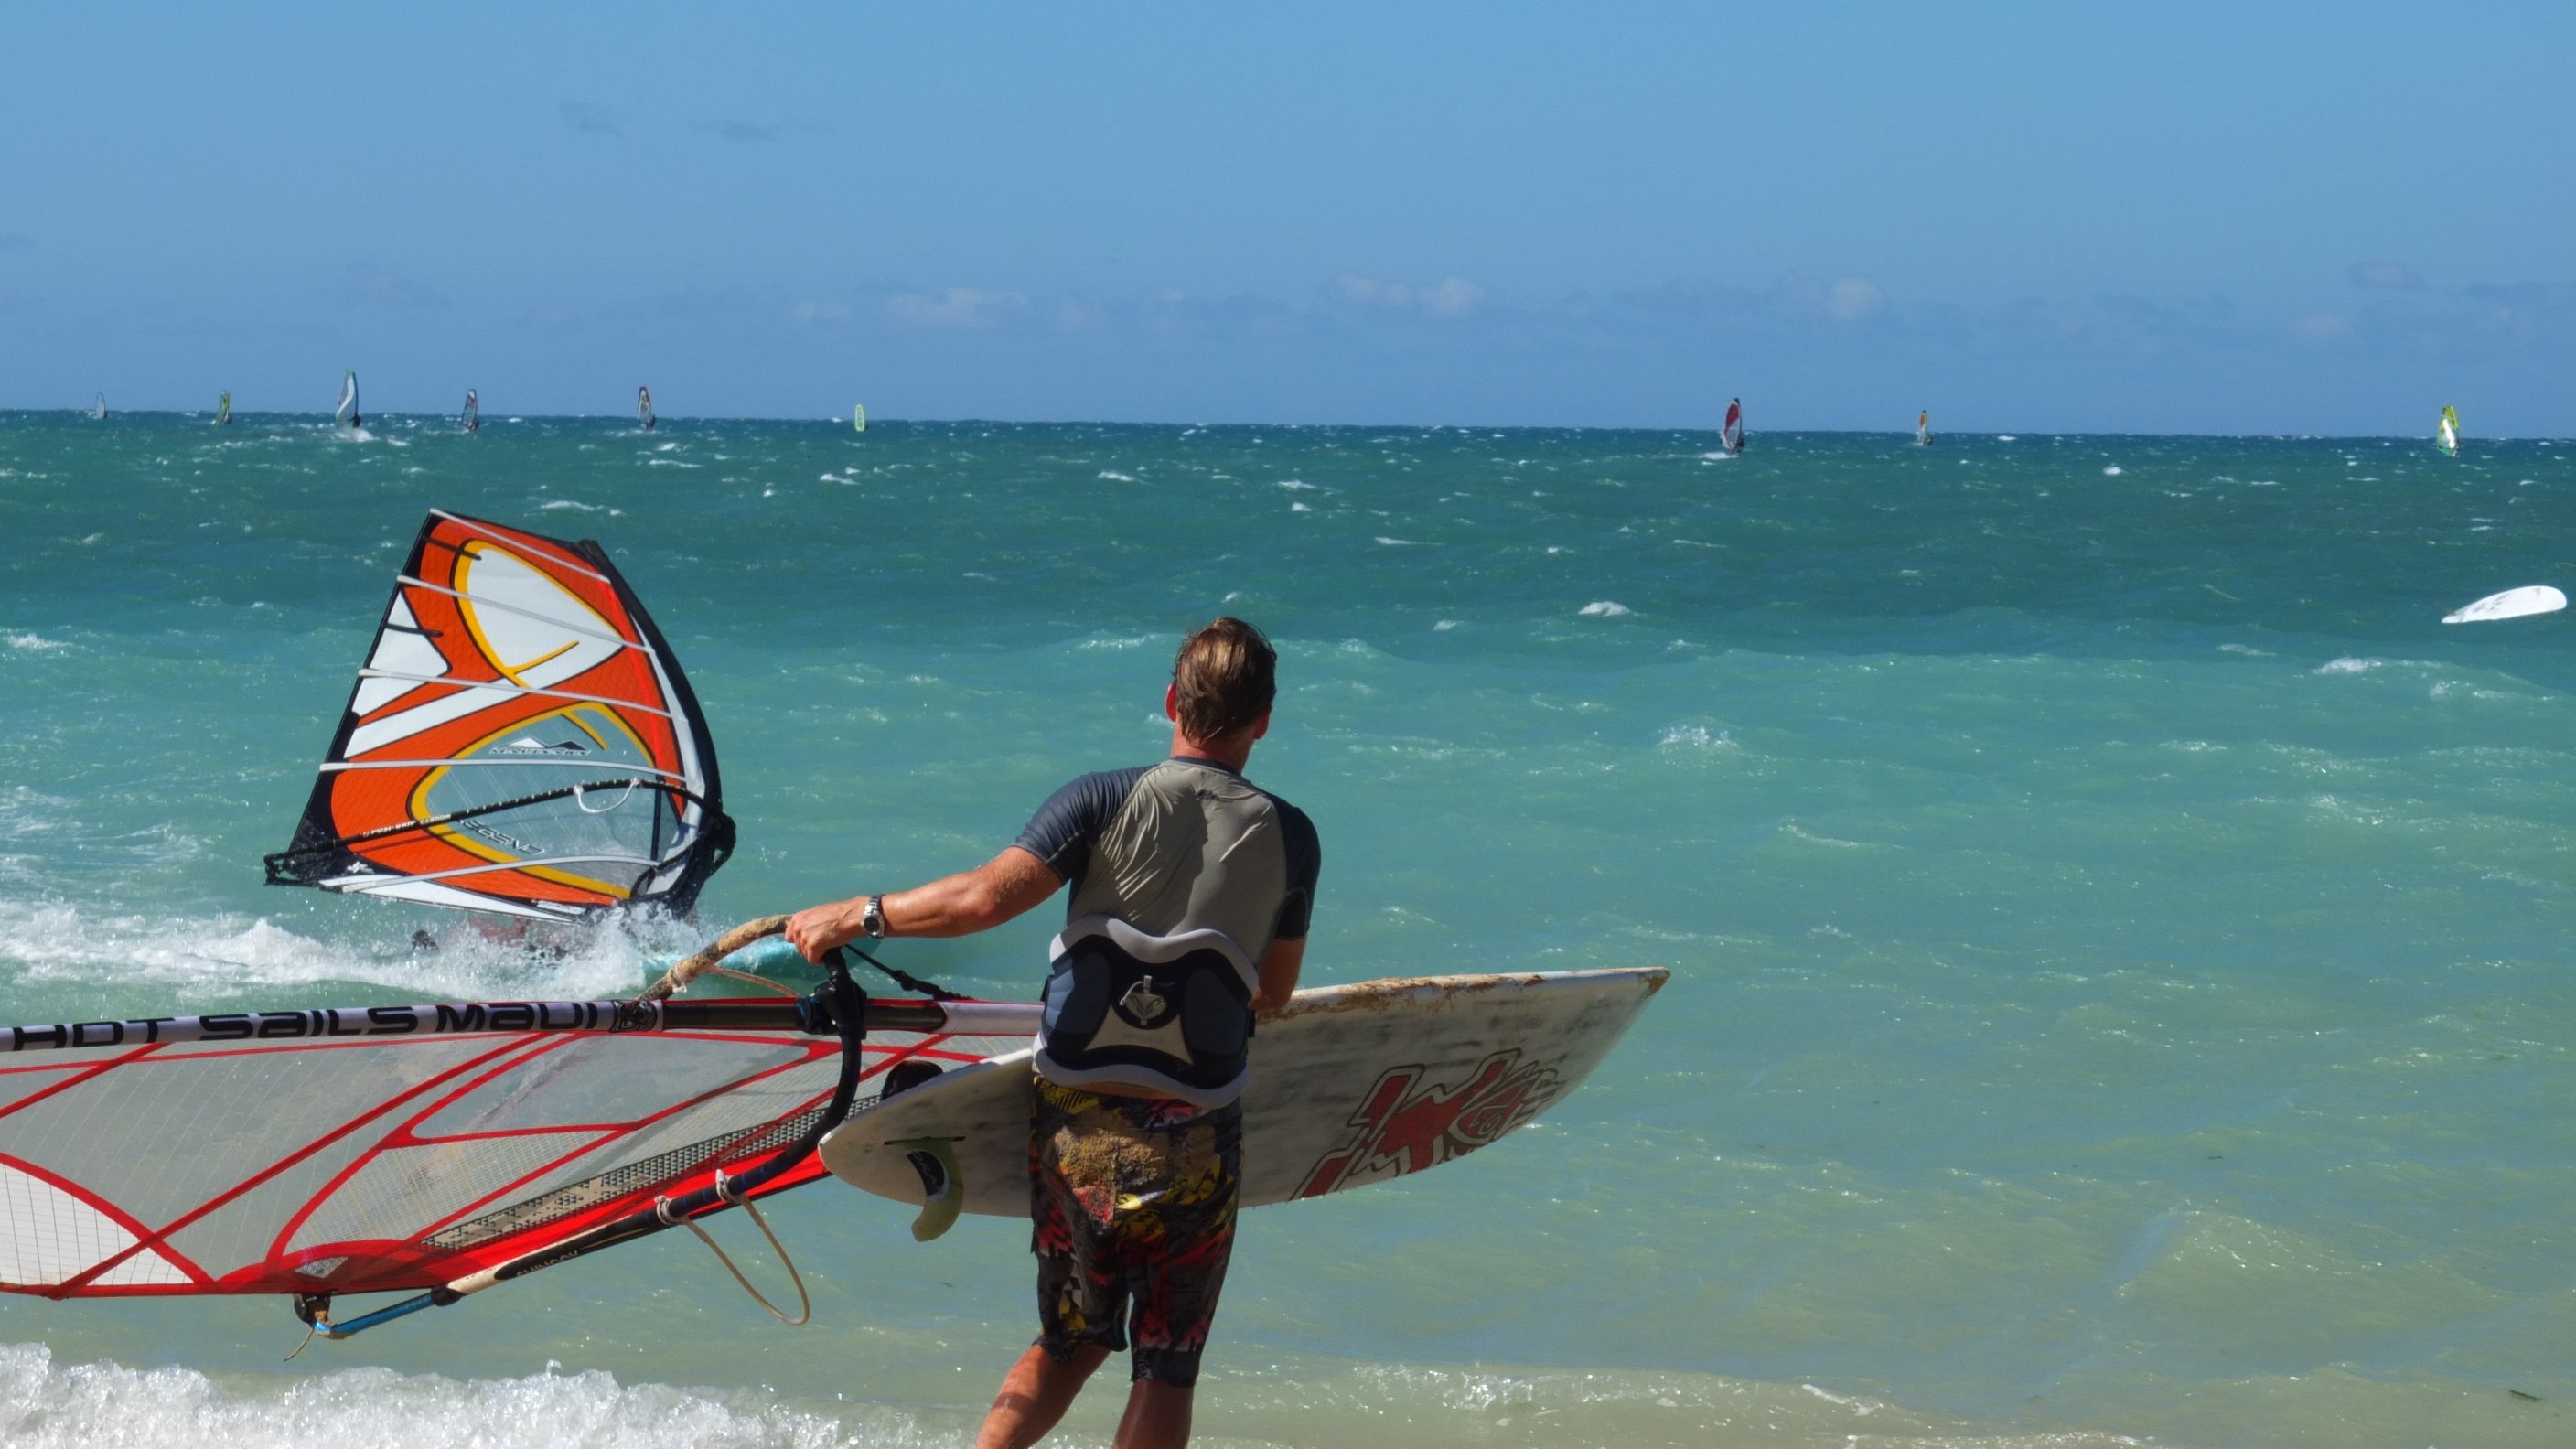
(843, 420)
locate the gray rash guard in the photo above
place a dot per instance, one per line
(1182, 874)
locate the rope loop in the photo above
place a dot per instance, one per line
(804, 1302)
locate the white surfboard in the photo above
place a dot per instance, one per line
(1350, 1085)
(2511, 604)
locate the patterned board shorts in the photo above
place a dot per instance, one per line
(1133, 1198)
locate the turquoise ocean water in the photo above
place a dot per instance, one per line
(2121, 940)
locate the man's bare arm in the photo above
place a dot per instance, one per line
(1279, 967)
(959, 905)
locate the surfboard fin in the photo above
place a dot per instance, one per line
(944, 1192)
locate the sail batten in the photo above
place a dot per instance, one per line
(519, 740)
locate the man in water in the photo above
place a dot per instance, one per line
(1191, 893)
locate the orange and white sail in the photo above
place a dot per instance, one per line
(520, 740)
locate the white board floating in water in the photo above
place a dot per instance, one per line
(1350, 1085)
(2511, 604)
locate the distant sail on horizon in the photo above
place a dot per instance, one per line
(644, 408)
(346, 414)
(472, 417)
(1731, 436)
(2447, 434)
(859, 415)
(224, 410)
(1923, 428)
(98, 409)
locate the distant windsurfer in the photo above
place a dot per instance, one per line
(1192, 889)
(1731, 437)
(473, 413)
(644, 408)
(1923, 428)
(224, 411)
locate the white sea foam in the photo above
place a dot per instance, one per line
(1395, 542)
(1695, 737)
(558, 503)
(46, 1405)
(56, 945)
(1603, 609)
(2349, 665)
(1116, 477)
(33, 643)
(2111, 472)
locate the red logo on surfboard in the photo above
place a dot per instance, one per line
(1404, 1127)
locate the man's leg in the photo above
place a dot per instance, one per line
(1158, 1417)
(1036, 1393)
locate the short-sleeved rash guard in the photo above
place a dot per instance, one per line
(1184, 845)
(1182, 875)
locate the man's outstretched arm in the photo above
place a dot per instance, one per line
(960, 905)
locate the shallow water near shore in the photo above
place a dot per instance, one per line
(2121, 982)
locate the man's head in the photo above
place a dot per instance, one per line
(1222, 684)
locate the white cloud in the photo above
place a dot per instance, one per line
(1450, 297)
(2385, 277)
(956, 307)
(1454, 297)
(1853, 298)
(2323, 327)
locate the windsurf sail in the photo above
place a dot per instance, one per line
(444, 1147)
(859, 416)
(224, 410)
(521, 740)
(98, 409)
(346, 414)
(1731, 437)
(1923, 428)
(2447, 432)
(473, 415)
(644, 408)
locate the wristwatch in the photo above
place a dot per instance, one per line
(872, 920)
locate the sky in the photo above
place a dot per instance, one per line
(2293, 217)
